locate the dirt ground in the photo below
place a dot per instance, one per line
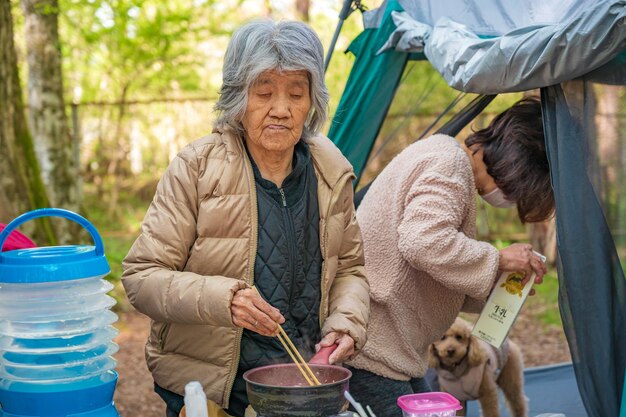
(134, 396)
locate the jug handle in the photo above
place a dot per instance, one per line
(53, 212)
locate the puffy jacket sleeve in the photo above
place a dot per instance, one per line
(430, 236)
(349, 300)
(154, 276)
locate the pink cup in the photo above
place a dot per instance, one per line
(429, 404)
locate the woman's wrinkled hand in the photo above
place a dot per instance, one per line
(519, 257)
(252, 312)
(345, 346)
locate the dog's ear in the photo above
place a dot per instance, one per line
(476, 355)
(433, 358)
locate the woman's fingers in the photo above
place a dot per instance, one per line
(345, 346)
(328, 340)
(243, 319)
(521, 258)
(250, 311)
(343, 351)
(538, 266)
(271, 313)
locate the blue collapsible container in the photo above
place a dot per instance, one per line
(56, 327)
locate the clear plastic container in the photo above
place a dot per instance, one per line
(53, 332)
(429, 404)
(56, 327)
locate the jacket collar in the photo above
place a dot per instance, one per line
(330, 164)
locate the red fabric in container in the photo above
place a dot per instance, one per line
(16, 240)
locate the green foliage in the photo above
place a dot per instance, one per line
(132, 208)
(422, 91)
(544, 304)
(116, 247)
(341, 61)
(129, 47)
(118, 234)
(497, 224)
(131, 50)
(46, 9)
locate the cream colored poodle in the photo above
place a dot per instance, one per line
(471, 369)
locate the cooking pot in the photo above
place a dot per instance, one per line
(281, 391)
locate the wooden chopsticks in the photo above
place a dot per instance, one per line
(291, 349)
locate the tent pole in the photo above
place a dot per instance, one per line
(346, 10)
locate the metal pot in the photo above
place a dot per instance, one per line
(281, 391)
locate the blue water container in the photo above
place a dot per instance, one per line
(56, 333)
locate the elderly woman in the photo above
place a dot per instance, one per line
(423, 262)
(266, 201)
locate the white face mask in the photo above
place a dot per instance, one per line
(497, 199)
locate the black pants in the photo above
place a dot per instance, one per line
(381, 393)
(171, 413)
(173, 401)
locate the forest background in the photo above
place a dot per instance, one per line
(97, 96)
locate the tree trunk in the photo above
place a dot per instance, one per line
(609, 151)
(543, 238)
(21, 188)
(54, 146)
(302, 7)
(121, 154)
(267, 8)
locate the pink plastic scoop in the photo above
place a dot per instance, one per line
(321, 357)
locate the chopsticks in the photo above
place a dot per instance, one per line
(291, 349)
(297, 358)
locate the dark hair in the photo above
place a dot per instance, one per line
(514, 152)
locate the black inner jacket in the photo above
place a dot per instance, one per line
(287, 269)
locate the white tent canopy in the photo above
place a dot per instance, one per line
(489, 49)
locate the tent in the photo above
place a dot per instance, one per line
(557, 380)
(574, 51)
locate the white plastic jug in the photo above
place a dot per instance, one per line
(195, 400)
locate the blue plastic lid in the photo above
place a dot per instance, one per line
(52, 263)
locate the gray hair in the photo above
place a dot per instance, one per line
(264, 45)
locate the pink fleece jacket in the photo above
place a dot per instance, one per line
(418, 222)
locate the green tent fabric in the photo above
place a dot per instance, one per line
(623, 412)
(369, 92)
(592, 288)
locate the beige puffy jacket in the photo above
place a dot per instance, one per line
(198, 245)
